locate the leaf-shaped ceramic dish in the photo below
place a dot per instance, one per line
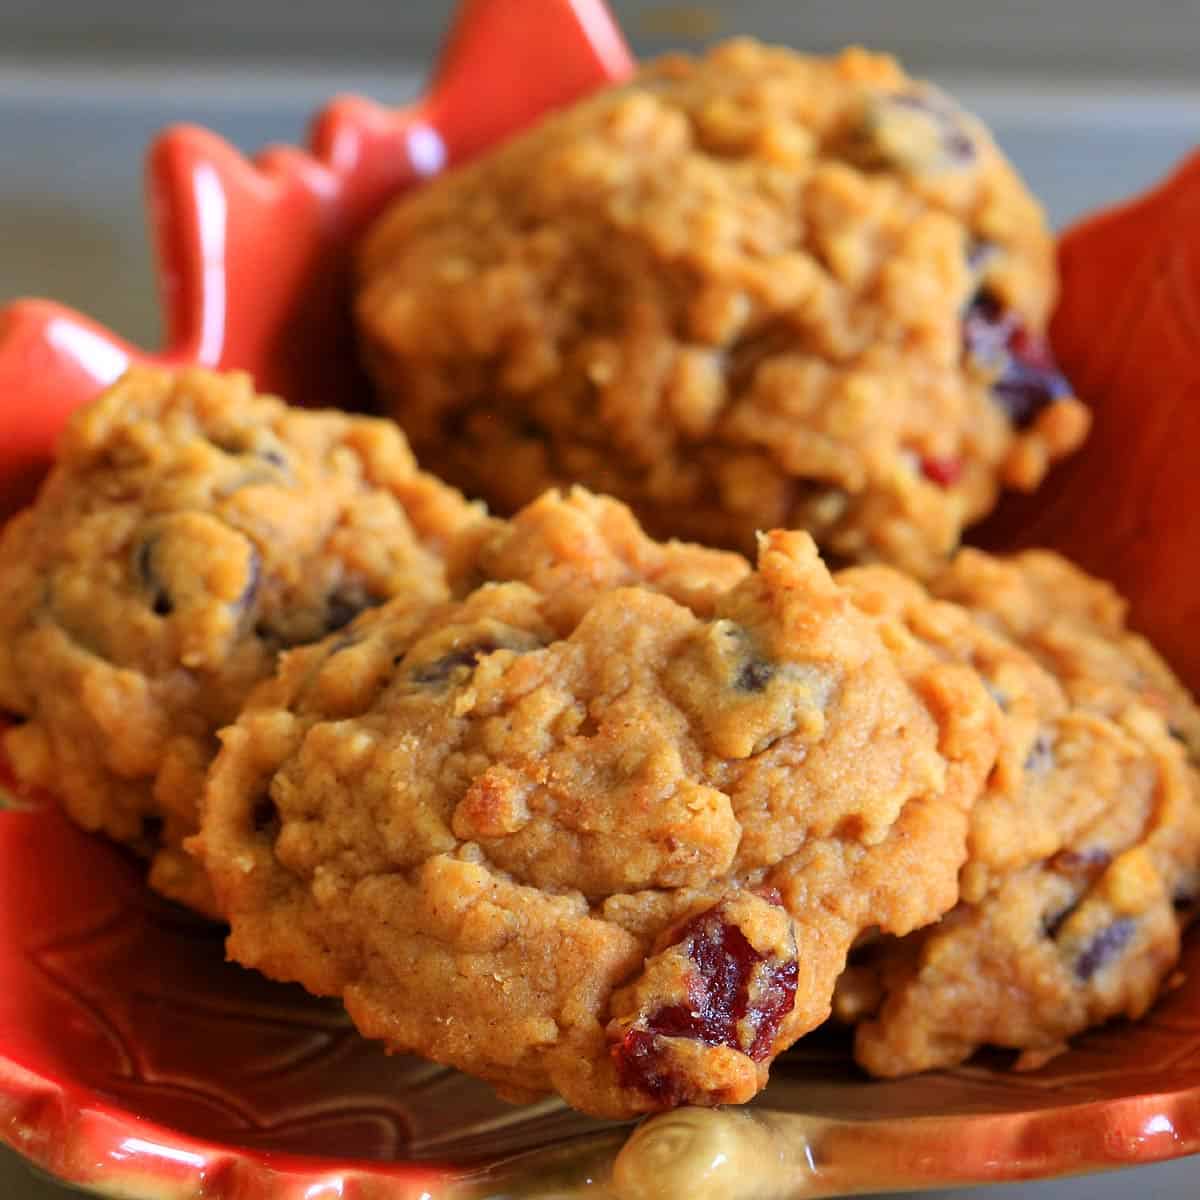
(135, 1062)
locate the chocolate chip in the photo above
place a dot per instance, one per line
(253, 582)
(244, 443)
(755, 347)
(1040, 758)
(1104, 947)
(1053, 922)
(347, 603)
(299, 628)
(440, 669)
(143, 564)
(265, 818)
(1186, 892)
(754, 676)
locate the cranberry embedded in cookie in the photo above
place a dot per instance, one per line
(1026, 378)
(711, 988)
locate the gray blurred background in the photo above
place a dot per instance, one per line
(1048, 37)
(1093, 99)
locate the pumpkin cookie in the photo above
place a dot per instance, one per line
(750, 291)
(1084, 850)
(605, 826)
(188, 533)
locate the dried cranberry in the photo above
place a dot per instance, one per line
(1027, 377)
(736, 997)
(945, 472)
(641, 1064)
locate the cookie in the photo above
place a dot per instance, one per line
(750, 291)
(607, 824)
(1084, 849)
(189, 532)
(1075, 626)
(573, 546)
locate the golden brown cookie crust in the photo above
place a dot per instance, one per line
(188, 532)
(748, 291)
(613, 842)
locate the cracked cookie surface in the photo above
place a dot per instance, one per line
(607, 825)
(188, 532)
(749, 291)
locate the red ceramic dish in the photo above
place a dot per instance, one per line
(135, 1061)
